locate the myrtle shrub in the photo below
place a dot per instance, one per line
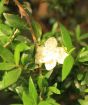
(41, 68)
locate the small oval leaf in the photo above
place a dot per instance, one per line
(7, 66)
(9, 78)
(19, 48)
(6, 55)
(66, 38)
(32, 91)
(37, 29)
(67, 66)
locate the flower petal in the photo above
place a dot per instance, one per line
(39, 55)
(61, 55)
(48, 55)
(38, 58)
(40, 49)
(50, 65)
(51, 43)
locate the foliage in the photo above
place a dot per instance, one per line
(32, 83)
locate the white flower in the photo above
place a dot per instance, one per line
(50, 54)
(61, 55)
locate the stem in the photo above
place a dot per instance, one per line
(25, 14)
(11, 38)
(40, 96)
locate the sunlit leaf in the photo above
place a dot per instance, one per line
(16, 104)
(24, 58)
(32, 91)
(78, 32)
(84, 36)
(51, 101)
(37, 29)
(66, 38)
(67, 66)
(83, 101)
(83, 55)
(5, 29)
(55, 26)
(19, 48)
(2, 7)
(9, 78)
(15, 21)
(48, 101)
(7, 66)
(26, 99)
(44, 103)
(40, 82)
(6, 54)
(54, 90)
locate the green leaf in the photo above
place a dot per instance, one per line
(46, 36)
(86, 78)
(40, 81)
(5, 29)
(9, 78)
(83, 101)
(86, 90)
(32, 91)
(66, 38)
(51, 101)
(78, 32)
(15, 21)
(84, 36)
(19, 48)
(7, 66)
(80, 76)
(3, 39)
(16, 104)
(44, 103)
(83, 55)
(54, 90)
(6, 55)
(55, 26)
(67, 66)
(26, 99)
(2, 7)
(37, 29)
(48, 101)
(48, 74)
(24, 58)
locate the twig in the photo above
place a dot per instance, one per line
(11, 39)
(25, 14)
(22, 11)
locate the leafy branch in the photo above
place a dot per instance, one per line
(23, 13)
(11, 39)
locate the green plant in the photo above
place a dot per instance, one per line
(22, 59)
